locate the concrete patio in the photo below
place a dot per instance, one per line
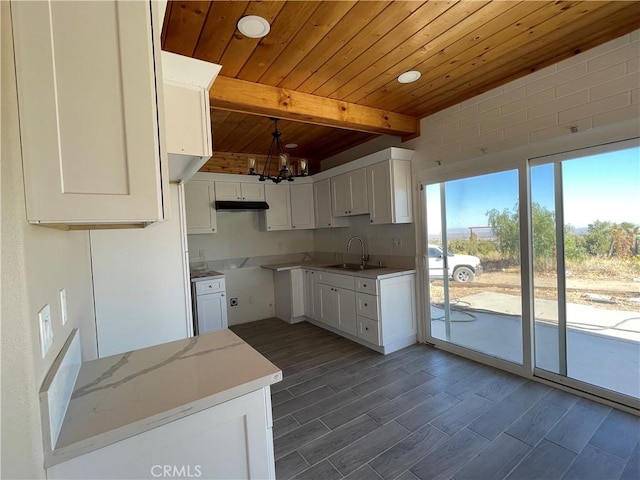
(603, 346)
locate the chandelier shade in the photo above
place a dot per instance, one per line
(276, 156)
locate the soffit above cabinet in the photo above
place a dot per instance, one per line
(348, 54)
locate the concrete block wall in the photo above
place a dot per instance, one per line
(595, 88)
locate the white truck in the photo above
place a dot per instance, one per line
(461, 268)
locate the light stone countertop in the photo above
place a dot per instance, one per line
(377, 273)
(207, 275)
(122, 395)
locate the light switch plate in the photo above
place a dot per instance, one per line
(46, 329)
(63, 306)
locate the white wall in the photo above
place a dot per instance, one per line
(36, 263)
(378, 239)
(244, 247)
(596, 88)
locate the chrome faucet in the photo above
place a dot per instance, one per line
(365, 258)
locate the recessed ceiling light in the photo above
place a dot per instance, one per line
(253, 26)
(408, 77)
(291, 145)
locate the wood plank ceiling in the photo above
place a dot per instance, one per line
(329, 68)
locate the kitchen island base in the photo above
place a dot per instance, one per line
(231, 440)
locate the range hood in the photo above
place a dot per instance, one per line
(240, 206)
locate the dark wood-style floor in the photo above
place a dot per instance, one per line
(344, 411)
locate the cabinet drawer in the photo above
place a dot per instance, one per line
(210, 286)
(337, 280)
(367, 285)
(368, 330)
(367, 305)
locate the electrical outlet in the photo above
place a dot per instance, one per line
(46, 329)
(63, 306)
(233, 302)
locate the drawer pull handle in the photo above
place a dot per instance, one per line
(364, 285)
(366, 305)
(366, 328)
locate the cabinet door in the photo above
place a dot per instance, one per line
(341, 195)
(302, 216)
(278, 215)
(228, 191)
(89, 75)
(199, 200)
(322, 203)
(379, 191)
(211, 312)
(401, 191)
(185, 123)
(358, 183)
(328, 297)
(252, 192)
(310, 286)
(346, 301)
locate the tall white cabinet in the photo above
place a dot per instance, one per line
(141, 286)
(89, 81)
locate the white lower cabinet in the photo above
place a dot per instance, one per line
(379, 313)
(289, 293)
(310, 286)
(210, 313)
(368, 330)
(346, 310)
(231, 440)
(212, 310)
(328, 305)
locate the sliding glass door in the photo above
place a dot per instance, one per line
(577, 302)
(585, 217)
(473, 260)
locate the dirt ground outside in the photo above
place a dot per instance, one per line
(609, 294)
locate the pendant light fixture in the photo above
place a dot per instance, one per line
(277, 154)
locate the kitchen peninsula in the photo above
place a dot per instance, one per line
(373, 306)
(194, 404)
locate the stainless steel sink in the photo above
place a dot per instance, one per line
(354, 267)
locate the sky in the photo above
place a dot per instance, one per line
(602, 187)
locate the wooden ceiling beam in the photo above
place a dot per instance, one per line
(258, 99)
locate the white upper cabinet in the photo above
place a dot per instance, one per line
(199, 199)
(278, 215)
(89, 81)
(302, 214)
(389, 191)
(350, 193)
(322, 205)
(240, 191)
(252, 192)
(228, 191)
(188, 121)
